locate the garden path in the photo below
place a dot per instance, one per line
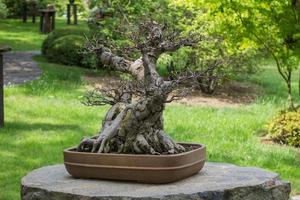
(19, 67)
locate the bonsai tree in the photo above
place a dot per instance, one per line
(134, 123)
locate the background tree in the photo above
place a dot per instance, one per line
(231, 53)
(273, 26)
(15, 7)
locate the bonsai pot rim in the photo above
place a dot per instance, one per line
(136, 167)
(201, 146)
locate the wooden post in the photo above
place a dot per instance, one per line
(34, 8)
(72, 12)
(29, 9)
(75, 14)
(68, 14)
(47, 20)
(47, 23)
(41, 22)
(2, 50)
(24, 11)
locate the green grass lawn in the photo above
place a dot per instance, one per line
(26, 36)
(45, 116)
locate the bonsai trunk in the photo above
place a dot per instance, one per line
(136, 127)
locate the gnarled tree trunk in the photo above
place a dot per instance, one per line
(136, 126)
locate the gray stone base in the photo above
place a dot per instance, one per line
(217, 181)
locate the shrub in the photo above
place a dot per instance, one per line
(285, 128)
(64, 46)
(66, 50)
(60, 33)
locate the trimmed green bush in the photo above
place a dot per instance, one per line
(57, 34)
(285, 128)
(64, 46)
(66, 50)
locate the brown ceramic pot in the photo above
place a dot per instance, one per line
(136, 167)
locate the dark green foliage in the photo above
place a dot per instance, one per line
(65, 46)
(66, 50)
(61, 6)
(3, 10)
(285, 128)
(60, 33)
(119, 16)
(223, 66)
(15, 7)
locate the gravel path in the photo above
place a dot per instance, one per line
(19, 67)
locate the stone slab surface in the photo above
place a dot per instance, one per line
(296, 198)
(217, 181)
(20, 68)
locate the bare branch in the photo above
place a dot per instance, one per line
(178, 95)
(109, 96)
(156, 38)
(106, 57)
(170, 46)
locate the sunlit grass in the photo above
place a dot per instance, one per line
(273, 84)
(24, 37)
(230, 136)
(40, 123)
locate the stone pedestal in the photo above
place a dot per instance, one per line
(47, 20)
(217, 181)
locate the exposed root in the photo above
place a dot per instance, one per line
(169, 145)
(102, 143)
(156, 143)
(141, 146)
(86, 145)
